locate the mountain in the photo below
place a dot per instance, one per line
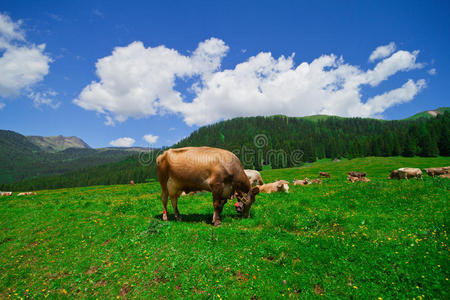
(57, 143)
(22, 159)
(277, 142)
(428, 114)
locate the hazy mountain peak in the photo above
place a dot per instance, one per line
(57, 143)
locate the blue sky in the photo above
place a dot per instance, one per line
(165, 68)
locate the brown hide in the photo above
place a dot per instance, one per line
(203, 168)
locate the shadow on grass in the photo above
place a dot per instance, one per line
(196, 218)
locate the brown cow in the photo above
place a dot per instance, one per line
(317, 181)
(254, 177)
(324, 174)
(204, 168)
(357, 174)
(405, 173)
(277, 186)
(437, 171)
(305, 181)
(132, 182)
(26, 194)
(5, 193)
(445, 175)
(191, 193)
(355, 179)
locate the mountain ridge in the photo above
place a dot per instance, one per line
(57, 143)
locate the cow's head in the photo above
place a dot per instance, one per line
(245, 202)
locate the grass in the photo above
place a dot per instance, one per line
(384, 238)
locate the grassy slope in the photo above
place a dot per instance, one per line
(368, 240)
(425, 114)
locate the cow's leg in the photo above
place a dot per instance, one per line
(174, 200)
(217, 191)
(218, 207)
(164, 199)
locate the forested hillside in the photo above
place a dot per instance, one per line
(120, 172)
(330, 137)
(20, 159)
(315, 137)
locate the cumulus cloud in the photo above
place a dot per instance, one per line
(22, 64)
(122, 142)
(151, 139)
(135, 81)
(382, 51)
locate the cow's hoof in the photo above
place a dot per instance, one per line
(217, 223)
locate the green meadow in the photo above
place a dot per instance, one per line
(382, 239)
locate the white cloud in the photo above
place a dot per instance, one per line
(44, 98)
(122, 142)
(137, 82)
(382, 51)
(22, 64)
(151, 139)
(2, 105)
(432, 71)
(380, 103)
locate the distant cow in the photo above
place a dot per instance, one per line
(26, 194)
(204, 168)
(254, 177)
(277, 186)
(406, 173)
(437, 171)
(132, 182)
(317, 181)
(324, 174)
(5, 193)
(355, 179)
(191, 193)
(305, 181)
(357, 174)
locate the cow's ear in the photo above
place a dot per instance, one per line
(255, 190)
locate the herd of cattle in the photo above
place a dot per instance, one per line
(190, 170)
(194, 169)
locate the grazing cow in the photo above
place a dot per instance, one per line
(305, 181)
(5, 193)
(355, 179)
(254, 177)
(26, 194)
(277, 186)
(191, 193)
(406, 173)
(357, 174)
(317, 181)
(437, 171)
(445, 175)
(204, 168)
(324, 174)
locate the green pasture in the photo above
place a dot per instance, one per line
(383, 239)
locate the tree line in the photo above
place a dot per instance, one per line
(331, 137)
